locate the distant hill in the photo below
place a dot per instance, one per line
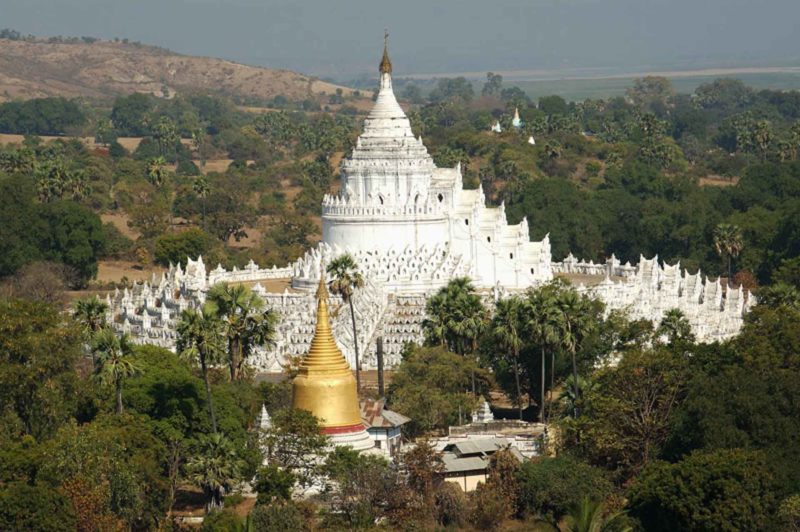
(102, 69)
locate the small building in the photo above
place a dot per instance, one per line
(383, 425)
(466, 463)
(497, 128)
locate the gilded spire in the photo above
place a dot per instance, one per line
(325, 385)
(386, 63)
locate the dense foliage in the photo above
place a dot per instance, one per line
(98, 432)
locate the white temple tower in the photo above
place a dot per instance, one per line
(385, 201)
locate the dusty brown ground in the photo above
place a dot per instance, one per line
(718, 181)
(115, 270)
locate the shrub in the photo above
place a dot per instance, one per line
(37, 507)
(729, 489)
(489, 508)
(223, 521)
(451, 505)
(551, 486)
(277, 517)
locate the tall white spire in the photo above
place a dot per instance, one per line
(389, 166)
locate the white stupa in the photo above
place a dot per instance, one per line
(393, 197)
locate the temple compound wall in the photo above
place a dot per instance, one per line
(149, 311)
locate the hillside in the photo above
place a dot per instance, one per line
(104, 69)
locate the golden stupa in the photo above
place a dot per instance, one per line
(325, 385)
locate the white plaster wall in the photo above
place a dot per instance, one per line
(381, 234)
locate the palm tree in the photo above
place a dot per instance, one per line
(544, 325)
(199, 143)
(345, 279)
(114, 360)
(214, 468)
(156, 171)
(675, 327)
(201, 188)
(589, 516)
(244, 322)
(455, 317)
(165, 134)
(200, 340)
(91, 314)
(507, 328)
(575, 326)
(728, 242)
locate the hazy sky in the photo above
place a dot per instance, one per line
(343, 38)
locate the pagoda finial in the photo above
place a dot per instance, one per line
(386, 64)
(322, 289)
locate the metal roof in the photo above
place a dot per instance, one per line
(477, 446)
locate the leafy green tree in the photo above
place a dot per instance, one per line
(453, 90)
(433, 387)
(780, 295)
(74, 235)
(127, 474)
(26, 507)
(550, 487)
(215, 468)
(363, 486)
(345, 280)
(130, 113)
(223, 520)
(293, 443)
(274, 484)
(115, 363)
(177, 248)
(553, 105)
(652, 94)
(39, 386)
(629, 411)
(493, 85)
(789, 513)
(41, 116)
(707, 490)
(245, 322)
(279, 516)
(200, 339)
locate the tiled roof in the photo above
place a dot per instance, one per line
(375, 415)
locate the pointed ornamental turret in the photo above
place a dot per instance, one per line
(325, 385)
(386, 64)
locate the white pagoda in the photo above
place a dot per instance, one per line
(393, 197)
(411, 228)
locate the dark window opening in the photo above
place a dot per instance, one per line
(466, 221)
(441, 198)
(510, 255)
(488, 239)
